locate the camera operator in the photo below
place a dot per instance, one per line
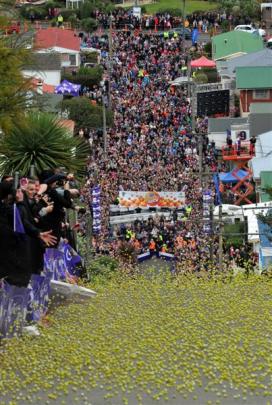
(60, 196)
(14, 255)
(36, 239)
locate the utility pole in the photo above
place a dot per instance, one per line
(110, 64)
(183, 21)
(104, 127)
(220, 247)
(200, 158)
(212, 235)
(32, 171)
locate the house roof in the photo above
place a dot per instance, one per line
(259, 58)
(49, 102)
(44, 61)
(259, 165)
(235, 43)
(254, 77)
(260, 123)
(57, 37)
(221, 125)
(264, 145)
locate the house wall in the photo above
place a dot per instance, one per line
(247, 97)
(52, 77)
(66, 55)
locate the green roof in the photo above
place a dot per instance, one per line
(235, 43)
(254, 77)
(266, 182)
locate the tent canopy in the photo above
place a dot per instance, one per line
(229, 178)
(203, 62)
(66, 87)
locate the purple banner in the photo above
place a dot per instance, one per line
(96, 208)
(13, 309)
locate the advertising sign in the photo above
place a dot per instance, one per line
(147, 199)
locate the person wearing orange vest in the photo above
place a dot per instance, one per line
(164, 248)
(152, 246)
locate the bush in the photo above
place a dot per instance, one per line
(66, 14)
(225, 26)
(211, 74)
(39, 13)
(233, 240)
(53, 4)
(201, 78)
(88, 24)
(86, 10)
(85, 76)
(73, 20)
(208, 49)
(175, 12)
(85, 114)
(91, 57)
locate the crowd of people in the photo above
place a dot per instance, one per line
(32, 219)
(152, 147)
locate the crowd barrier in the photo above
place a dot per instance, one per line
(19, 305)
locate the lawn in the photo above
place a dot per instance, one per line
(149, 341)
(190, 6)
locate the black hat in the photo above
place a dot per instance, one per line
(6, 188)
(46, 174)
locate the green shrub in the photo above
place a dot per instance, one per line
(86, 9)
(85, 76)
(175, 12)
(91, 57)
(88, 24)
(208, 49)
(73, 20)
(85, 114)
(53, 4)
(201, 78)
(39, 13)
(66, 14)
(211, 74)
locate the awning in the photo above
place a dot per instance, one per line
(203, 62)
(229, 178)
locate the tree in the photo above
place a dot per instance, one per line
(201, 78)
(85, 76)
(85, 114)
(250, 8)
(14, 87)
(41, 140)
(88, 24)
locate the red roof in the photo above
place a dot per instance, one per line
(57, 37)
(203, 62)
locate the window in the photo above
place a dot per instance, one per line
(72, 60)
(261, 94)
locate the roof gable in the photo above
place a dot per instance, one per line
(235, 42)
(57, 37)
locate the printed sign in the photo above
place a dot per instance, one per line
(146, 199)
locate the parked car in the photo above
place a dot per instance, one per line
(251, 30)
